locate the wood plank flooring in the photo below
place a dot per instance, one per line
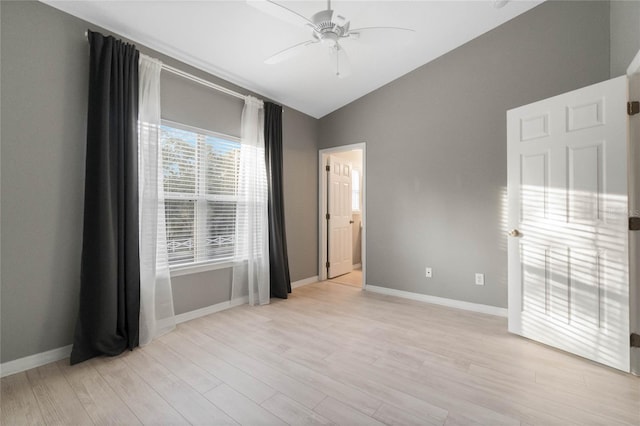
(331, 354)
(353, 278)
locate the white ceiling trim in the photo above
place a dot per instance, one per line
(231, 40)
(174, 53)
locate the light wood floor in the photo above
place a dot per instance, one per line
(331, 354)
(353, 278)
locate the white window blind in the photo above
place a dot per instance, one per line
(201, 194)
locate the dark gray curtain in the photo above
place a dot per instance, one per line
(108, 317)
(278, 259)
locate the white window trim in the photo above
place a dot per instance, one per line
(198, 267)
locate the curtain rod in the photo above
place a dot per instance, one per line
(202, 81)
(195, 79)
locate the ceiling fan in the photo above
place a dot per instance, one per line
(328, 29)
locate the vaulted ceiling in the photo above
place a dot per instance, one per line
(231, 39)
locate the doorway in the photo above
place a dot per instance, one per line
(342, 215)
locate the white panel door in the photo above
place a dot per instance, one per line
(568, 248)
(339, 209)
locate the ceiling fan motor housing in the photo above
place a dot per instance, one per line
(327, 31)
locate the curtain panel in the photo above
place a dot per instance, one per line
(156, 297)
(251, 275)
(278, 259)
(108, 317)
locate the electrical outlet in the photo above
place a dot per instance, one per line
(428, 273)
(479, 279)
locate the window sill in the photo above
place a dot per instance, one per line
(177, 271)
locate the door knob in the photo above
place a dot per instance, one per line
(515, 233)
(350, 221)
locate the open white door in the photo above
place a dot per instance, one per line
(568, 215)
(339, 242)
(633, 73)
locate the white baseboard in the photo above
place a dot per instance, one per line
(452, 303)
(188, 316)
(36, 360)
(356, 265)
(33, 361)
(305, 281)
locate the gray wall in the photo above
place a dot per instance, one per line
(44, 79)
(625, 34)
(301, 191)
(436, 147)
(195, 291)
(43, 107)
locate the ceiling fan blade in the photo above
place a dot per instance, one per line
(340, 62)
(289, 52)
(283, 13)
(395, 35)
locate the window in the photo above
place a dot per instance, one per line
(200, 171)
(355, 190)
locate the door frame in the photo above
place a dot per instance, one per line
(322, 208)
(633, 150)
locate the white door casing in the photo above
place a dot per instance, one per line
(339, 208)
(567, 200)
(633, 73)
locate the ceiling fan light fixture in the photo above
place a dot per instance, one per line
(329, 39)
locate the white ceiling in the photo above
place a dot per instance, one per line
(231, 39)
